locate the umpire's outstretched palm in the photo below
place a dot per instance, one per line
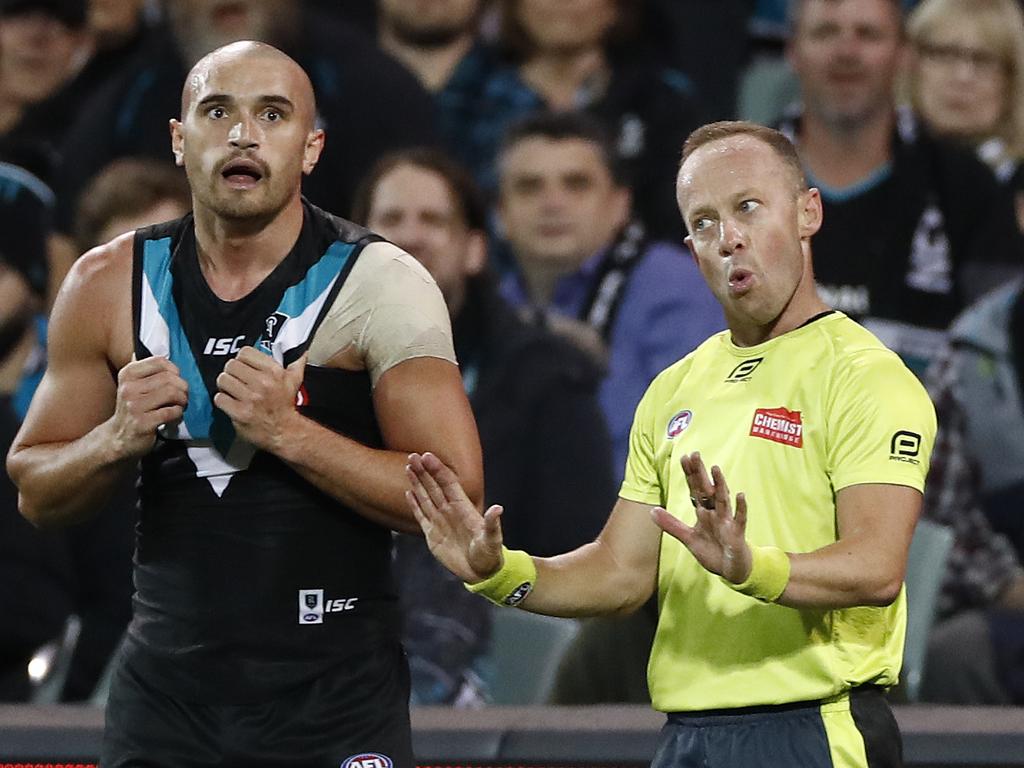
(465, 543)
(718, 537)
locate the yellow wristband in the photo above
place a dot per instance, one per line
(769, 574)
(512, 582)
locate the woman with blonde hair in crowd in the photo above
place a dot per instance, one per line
(965, 78)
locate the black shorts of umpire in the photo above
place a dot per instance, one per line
(357, 717)
(855, 730)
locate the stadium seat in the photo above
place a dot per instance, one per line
(525, 651)
(926, 567)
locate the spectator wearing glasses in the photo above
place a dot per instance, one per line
(964, 79)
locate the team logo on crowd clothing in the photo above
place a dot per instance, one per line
(780, 425)
(301, 396)
(678, 423)
(931, 267)
(368, 760)
(905, 446)
(743, 371)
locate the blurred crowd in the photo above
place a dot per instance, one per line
(525, 151)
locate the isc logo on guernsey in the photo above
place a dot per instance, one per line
(368, 760)
(221, 347)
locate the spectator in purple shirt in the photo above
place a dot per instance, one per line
(587, 267)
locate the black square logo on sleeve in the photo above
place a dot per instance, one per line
(905, 446)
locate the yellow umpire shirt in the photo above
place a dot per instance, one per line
(791, 422)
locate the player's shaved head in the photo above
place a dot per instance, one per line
(248, 56)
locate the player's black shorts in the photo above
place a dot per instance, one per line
(852, 731)
(356, 717)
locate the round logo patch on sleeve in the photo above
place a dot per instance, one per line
(678, 423)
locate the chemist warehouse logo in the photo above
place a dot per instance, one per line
(780, 425)
(905, 447)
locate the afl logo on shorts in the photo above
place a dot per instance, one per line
(311, 606)
(678, 423)
(368, 760)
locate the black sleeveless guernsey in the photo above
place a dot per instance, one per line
(248, 579)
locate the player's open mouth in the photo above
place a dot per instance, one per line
(740, 281)
(242, 173)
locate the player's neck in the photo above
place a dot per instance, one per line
(840, 156)
(235, 255)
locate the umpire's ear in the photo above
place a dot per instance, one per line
(809, 213)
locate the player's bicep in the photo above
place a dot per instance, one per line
(78, 389)
(408, 317)
(67, 404)
(404, 339)
(421, 406)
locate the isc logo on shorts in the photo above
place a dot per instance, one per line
(368, 760)
(313, 606)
